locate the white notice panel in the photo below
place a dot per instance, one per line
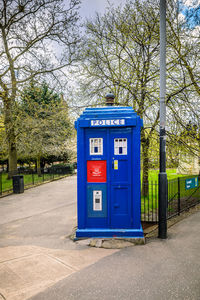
(97, 200)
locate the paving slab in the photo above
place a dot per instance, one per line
(28, 270)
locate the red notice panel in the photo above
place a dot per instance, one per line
(96, 171)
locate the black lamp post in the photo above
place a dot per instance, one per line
(162, 225)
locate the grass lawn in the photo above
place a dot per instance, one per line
(150, 202)
(171, 174)
(29, 179)
(6, 183)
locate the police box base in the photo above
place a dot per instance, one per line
(109, 233)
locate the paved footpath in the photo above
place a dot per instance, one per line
(39, 262)
(35, 251)
(160, 270)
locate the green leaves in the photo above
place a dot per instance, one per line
(43, 123)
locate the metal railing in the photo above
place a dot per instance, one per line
(149, 202)
(179, 198)
(31, 177)
(1, 187)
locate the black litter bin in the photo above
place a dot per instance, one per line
(18, 184)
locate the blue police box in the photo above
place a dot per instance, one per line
(108, 173)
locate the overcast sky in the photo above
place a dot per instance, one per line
(89, 7)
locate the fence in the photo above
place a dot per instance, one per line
(183, 193)
(149, 202)
(31, 178)
(180, 197)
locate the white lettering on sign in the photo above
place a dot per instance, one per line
(96, 172)
(114, 122)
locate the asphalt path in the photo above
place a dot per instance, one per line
(42, 216)
(159, 270)
(39, 262)
(35, 249)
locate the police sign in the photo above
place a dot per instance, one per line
(113, 122)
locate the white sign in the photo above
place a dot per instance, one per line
(97, 200)
(114, 122)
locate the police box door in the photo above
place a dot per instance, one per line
(121, 177)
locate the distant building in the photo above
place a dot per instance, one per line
(189, 157)
(188, 164)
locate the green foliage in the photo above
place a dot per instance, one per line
(62, 168)
(121, 54)
(29, 33)
(38, 96)
(43, 124)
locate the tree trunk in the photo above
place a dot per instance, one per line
(38, 166)
(10, 136)
(42, 163)
(12, 159)
(145, 181)
(199, 149)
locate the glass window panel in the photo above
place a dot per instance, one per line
(96, 146)
(120, 146)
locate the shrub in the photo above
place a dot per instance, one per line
(61, 169)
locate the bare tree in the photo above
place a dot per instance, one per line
(121, 53)
(183, 42)
(37, 38)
